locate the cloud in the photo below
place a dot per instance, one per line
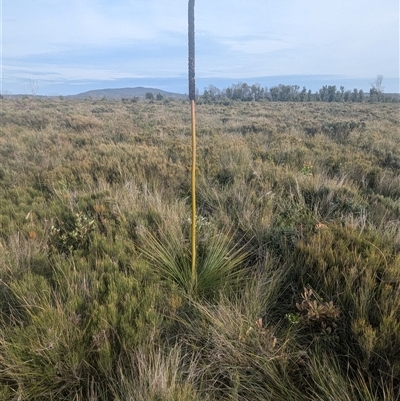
(255, 45)
(43, 26)
(104, 38)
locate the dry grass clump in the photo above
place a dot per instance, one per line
(298, 288)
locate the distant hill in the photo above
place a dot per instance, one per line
(125, 93)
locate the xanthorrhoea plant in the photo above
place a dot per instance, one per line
(220, 261)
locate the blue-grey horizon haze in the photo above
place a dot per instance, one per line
(51, 47)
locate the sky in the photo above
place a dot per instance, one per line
(61, 47)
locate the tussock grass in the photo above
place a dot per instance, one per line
(154, 374)
(297, 295)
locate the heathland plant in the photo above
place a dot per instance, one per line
(219, 264)
(298, 207)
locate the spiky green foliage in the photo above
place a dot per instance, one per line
(219, 264)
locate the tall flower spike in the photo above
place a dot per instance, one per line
(192, 97)
(192, 83)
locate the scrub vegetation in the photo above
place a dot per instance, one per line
(298, 224)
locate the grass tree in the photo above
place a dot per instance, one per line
(216, 264)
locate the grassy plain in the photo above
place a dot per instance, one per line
(305, 197)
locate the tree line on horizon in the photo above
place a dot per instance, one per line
(292, 93)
